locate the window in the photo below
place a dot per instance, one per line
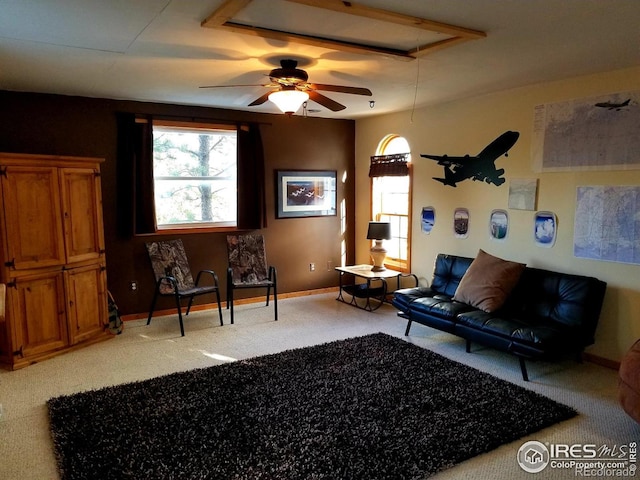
(194, 175)
(391, 202)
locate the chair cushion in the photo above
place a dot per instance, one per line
(252, 284)
(169, 259)
(187, 292)
(247, 259)
(488, 282)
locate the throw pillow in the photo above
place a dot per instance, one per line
(488, 282)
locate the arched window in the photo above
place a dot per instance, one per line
(391, 202)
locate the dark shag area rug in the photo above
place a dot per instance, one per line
(372, 407)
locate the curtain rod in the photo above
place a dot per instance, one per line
(144, 117)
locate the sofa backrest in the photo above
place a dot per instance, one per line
(447, 273)
(571, 300)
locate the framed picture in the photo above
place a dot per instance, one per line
(499, 224)
(428, 219)
(545, 227)
(523, 193)
(461, 222)
(305, 193)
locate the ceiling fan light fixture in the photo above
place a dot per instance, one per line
(289, 101)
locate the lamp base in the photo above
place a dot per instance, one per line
(378, 255)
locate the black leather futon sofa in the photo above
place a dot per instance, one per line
(543, 315)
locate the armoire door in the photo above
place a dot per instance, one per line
(38, 314)
(33, 226)
(86, 302)
(82, 207)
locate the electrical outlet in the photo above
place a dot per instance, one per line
(329, 265)
(312, 267)
(133, 285)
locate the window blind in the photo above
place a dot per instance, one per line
(389, 165)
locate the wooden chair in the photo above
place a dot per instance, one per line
(173, 277)
(248, 268)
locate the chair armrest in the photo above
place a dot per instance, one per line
(210, 272)
(167, 278)
(229, 276)
(272, 274)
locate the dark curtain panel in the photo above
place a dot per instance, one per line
(389, 165)
(252, 208)
(136, 206)
(124, 171)
(145, 212)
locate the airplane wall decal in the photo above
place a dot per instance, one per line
(479, 168)
(614, 106)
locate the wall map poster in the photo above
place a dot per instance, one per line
(599, 133)
(607, 223)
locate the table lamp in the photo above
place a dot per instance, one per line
(378, 231)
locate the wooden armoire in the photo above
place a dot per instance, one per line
(52, 256)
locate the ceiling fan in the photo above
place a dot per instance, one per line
(290, 89)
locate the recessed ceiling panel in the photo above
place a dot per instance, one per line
(318, 22)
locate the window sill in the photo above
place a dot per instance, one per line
(399, 266)
(182, 230)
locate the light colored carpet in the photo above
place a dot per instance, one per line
(147, 351)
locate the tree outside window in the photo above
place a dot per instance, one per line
(194, 176)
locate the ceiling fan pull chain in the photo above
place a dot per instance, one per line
(415, 93)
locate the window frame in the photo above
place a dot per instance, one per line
(200, 227)
(391, 262)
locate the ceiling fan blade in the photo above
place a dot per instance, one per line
(325, 101)
(225, 86)
(341, 89)
(260, 100)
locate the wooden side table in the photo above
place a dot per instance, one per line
(375, 287)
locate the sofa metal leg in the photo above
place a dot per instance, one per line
(406, 332)
(523, 369)
(468, 346)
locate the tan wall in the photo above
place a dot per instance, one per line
(466, 127)
(62, 125)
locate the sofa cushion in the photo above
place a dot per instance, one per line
(402, 298)
(541, 333)
(448, 271)
(441, 306)
(488, 282)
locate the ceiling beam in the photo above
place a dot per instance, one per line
(225, 13)
(313, 41)
(222, 18)
(392, 17)
(424, 50)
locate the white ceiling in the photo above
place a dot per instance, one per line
(157, 51)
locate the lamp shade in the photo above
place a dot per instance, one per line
(289, 101)
(379, 231)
